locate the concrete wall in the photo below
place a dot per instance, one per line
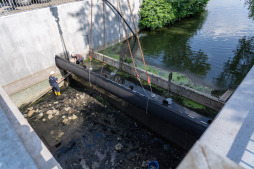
(29, 40)
(186, 92)
(27, 143)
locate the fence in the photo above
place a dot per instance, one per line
(8, 7)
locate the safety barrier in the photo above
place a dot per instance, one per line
(8, 7)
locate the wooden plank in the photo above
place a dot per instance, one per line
(226, 95)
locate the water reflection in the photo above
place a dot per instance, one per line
(250, 5)
(200, 46)
(236, 68)
(171, 47)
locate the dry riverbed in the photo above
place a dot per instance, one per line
(82, 130)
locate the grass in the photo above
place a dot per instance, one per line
(163, 92)
(178, 78)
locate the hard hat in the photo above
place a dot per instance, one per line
(52, 72)
(72, 55)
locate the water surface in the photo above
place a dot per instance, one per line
(214, 48)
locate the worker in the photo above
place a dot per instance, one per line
(78, 58)
(53, 81)
(170, 75)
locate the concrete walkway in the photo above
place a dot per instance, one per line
(20, 147)
(231, 135)
(12, 151)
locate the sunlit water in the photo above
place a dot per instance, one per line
(215, 48)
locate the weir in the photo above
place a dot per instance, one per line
(186, 120)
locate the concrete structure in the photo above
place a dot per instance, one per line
(30, 39)
(202, 157)
(20, 145)
(199, 97)
(231, 135)
(28, 43)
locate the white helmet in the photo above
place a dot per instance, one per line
(72, 55)
(52, 72)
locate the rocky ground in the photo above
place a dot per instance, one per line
(82, 130)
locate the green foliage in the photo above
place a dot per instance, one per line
(159, 13)
(156, 13)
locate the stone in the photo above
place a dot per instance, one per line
(119, 147)
(50, 116)
(60, 134)
(74, 117)
(30, 108)
(40, 115)
(65, 121)
(25, 115)
(82, 96)
(30, 113)
(56, 102)
(67, 109)
(63, 117)
(49, 112)
(57, 113)
(44, 120)
(52, 132)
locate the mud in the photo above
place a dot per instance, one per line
(82, 130)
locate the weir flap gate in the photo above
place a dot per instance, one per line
(194, 124)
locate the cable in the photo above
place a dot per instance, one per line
(104, 36)
(90, 45)
(126, 35)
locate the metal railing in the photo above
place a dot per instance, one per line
(8, 7)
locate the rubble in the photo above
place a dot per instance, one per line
(90, 134)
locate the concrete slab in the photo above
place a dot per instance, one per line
(202, 157)
(12, 151)
(32, 143)
(232, 132)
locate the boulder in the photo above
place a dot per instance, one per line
(50, 116)
(30, 108)
(74, 117)
(60, 134)
(67, 108)
(119, 147)
(30, 113)
(49, 112)
(65, 121)
(40, 115)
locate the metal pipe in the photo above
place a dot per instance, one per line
(181, 120)
(109, 3)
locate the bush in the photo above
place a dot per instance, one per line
(158, 13)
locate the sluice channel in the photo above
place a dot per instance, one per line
(99, 123)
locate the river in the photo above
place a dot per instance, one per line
(214, 48)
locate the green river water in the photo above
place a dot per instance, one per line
(214, 49)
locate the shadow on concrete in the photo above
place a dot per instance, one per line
(32, 143)
(242, 149)
(114, 27)
(54, 12)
